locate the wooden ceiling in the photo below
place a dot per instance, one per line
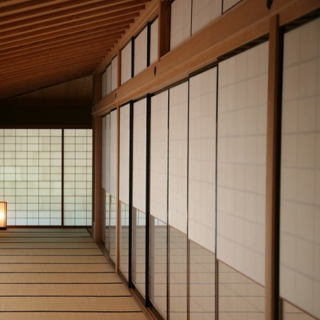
(47, 42)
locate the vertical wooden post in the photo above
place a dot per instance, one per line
(164, 27)
(97, 132)
(273, 172)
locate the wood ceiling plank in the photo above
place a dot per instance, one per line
(18, 6)
(71, 28)
(70, 8)
(20, 12)
(80, 39)
(41, 24)
(45, 61)
(104, 29)
(47, 76)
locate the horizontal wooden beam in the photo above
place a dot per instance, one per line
(31, 11)
(10, 6)
(24, 6)
(87, 38)
(17, 28)
(62, 52)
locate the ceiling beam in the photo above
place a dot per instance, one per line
(65, 30)
(81, 38)
(45, 60)
(74, 7)
(40, 23)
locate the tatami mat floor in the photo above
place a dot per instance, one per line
(59, 274)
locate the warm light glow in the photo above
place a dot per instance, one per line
(3, 215)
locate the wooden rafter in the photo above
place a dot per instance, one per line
(43, 42)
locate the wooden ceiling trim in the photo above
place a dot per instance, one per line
(46, 45)
(37, 39)
(24, 5)
(70, 28)
(12, 65)
(14, 91)
(13, 15)
(85, 11)
(45, 72)
(109, 29)
(83, 18)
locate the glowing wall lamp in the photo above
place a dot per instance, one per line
(3, 215)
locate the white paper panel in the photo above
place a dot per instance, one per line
(202, 154)
(126, 63)
(227, 4)
(114, 71)
(103, 167)
(154, 41)
(300, 169)
(108, 142)
(159, 156)
(109, 79)
(139, 154)
(180, 22)
(113, 153)
(178, 134)
(140, 51)
(104, 84)
(204, 12)
(242, 118)
(124, 153)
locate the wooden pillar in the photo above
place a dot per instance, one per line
(164, 27)
(273, 172)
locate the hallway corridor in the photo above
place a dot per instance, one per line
(59, 274)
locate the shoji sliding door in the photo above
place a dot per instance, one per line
(177, 200)
(112, 171)
(228, 4)
(154, 27)
(106, 139)
(202, 193)
(180, 22)
(126, 63)
(141, 51)
(114, 73)
(46, 176)
(158, 200)
(124, 188)
(139, 193)
(241, 180)
(300, 174)
(78, 177)
(203, 12)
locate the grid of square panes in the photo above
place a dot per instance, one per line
(78, 177)
(139, 250)
(30, 175)
(124, 240)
